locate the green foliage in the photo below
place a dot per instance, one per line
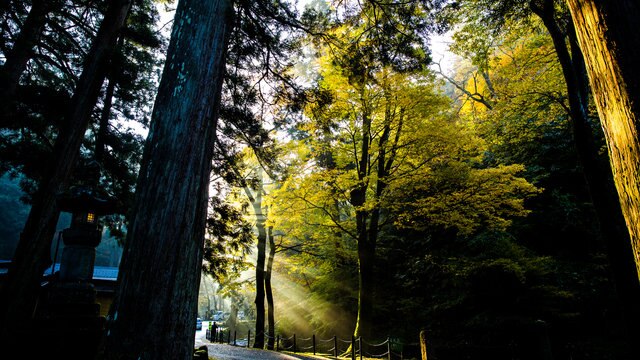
(463, 198)
(229, 240)
(487, 292)
(529, 124)
(483, 230)
(389, 135)
(31, 127)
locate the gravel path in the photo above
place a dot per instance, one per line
(229, 352)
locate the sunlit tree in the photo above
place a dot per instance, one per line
(400, 158)
(610, 47)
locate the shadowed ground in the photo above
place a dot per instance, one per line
(229, 352)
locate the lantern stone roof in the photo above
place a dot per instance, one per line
(88, 199)
(87, 195)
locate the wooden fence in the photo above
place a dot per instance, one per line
(335, 347)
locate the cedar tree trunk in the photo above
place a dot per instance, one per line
(33, 252)
(154, 313)
(597, 173)
(608, 36)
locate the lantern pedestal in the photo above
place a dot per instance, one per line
(79, 254)
(72, 316)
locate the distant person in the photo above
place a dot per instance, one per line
(214, 331)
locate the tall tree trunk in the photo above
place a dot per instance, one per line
(327, 161)
(154, 313)
(103, 126)
(107, 105)
(365, 251)
(597, 173)
(33, 252)
(260, 262)
(368, 235)
(366, 257)
(608, 36)
(271, 326)
(256, 202)
(22, 50)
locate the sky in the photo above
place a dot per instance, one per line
(439, 43)
(440, 52)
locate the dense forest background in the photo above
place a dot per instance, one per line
(358, 185)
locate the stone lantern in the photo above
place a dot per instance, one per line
(86, 204)
(72, 316)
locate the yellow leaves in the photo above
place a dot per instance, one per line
(466, 198)
(310, 198)
(434, 174)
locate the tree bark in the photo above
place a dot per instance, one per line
(597, 173)
(260, 262)
(107, 105)
(357, 200)
(368, 222)
(271, 326)
(33, 252)
(154, 313)
(608, 36)
(423, 344)
(366, 256)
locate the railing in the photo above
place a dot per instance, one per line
(355, 348)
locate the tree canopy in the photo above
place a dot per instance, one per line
(324, 171)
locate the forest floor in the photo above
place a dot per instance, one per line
(240, 352)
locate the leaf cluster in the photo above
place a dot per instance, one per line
(229, 239)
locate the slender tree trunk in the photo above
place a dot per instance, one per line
(365, 250)
(423, 344)
(154, 313)
(608, 36)
(33, 252)
(368, 235)
(103, 126)
(260, 262)
(365, 267)
(327, 161)
(271, 326)
(366, 259)
(107, 105)
(597, 173)
(22, 50)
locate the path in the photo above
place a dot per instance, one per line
(230, 352)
